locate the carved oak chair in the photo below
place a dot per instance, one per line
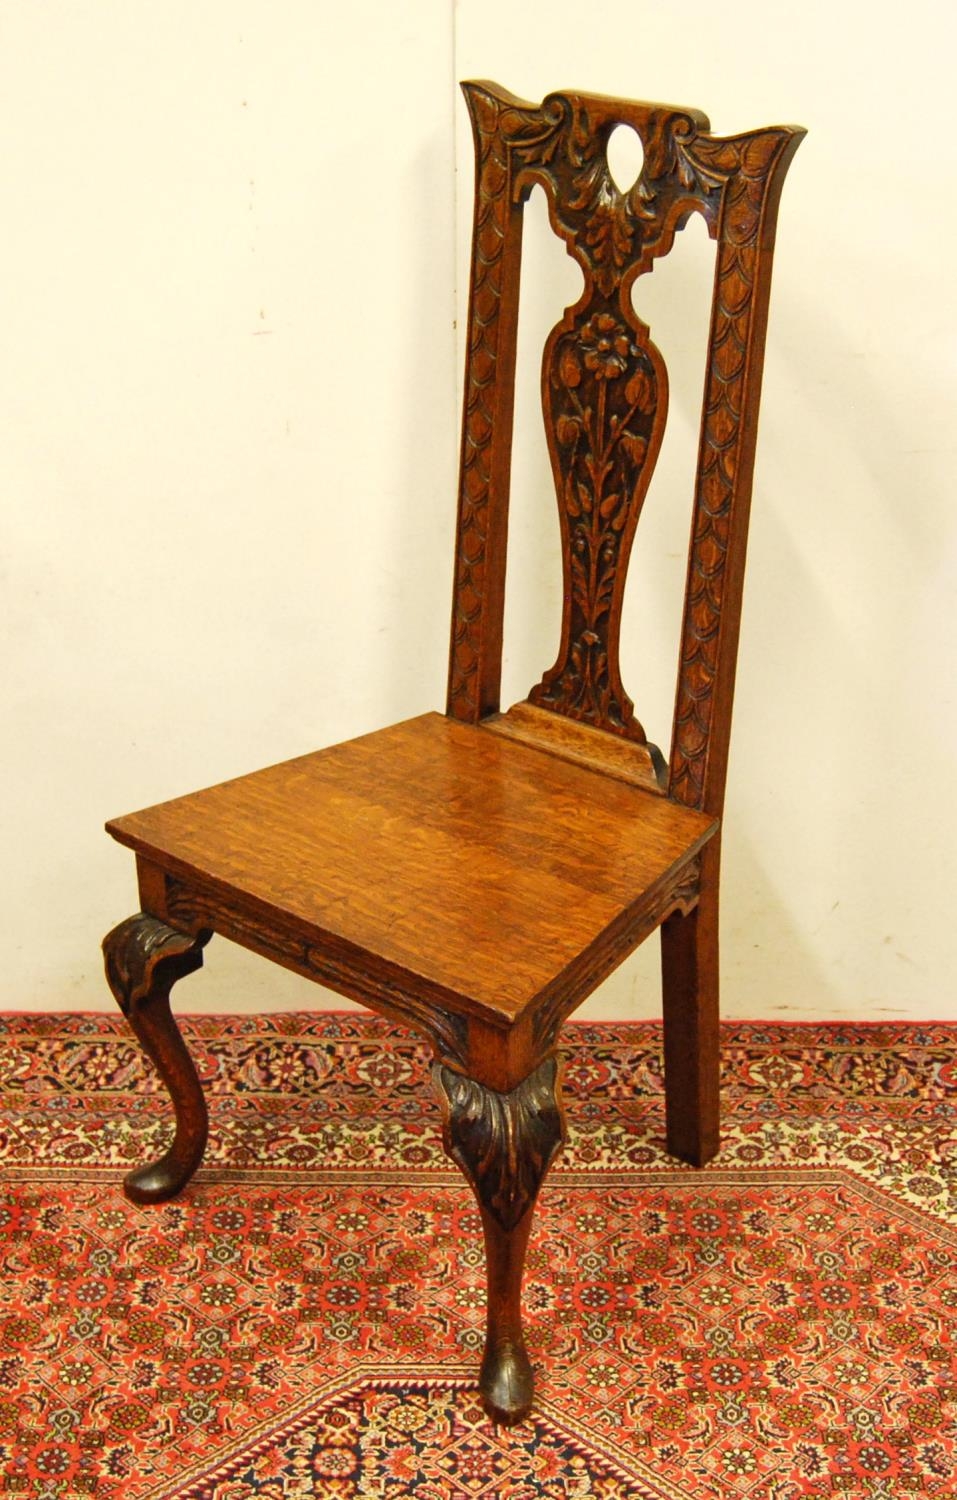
(476, 874)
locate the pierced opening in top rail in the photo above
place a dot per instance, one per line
(625, 156)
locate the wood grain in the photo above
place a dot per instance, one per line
(478, 864)
(639, 763)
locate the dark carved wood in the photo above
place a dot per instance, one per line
(144, 959)
(476, 655)
(604, 384)
(604, 392)
(605, 398)
(753, 168)
(477, 874)
(505, 1144)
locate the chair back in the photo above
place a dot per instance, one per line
(605, 399)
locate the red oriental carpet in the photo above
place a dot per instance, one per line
(305, 1321)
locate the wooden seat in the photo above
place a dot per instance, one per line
(465, 865)
(476, 874)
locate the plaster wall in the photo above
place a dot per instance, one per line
(232, 238)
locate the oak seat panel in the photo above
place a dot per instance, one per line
(482, 865)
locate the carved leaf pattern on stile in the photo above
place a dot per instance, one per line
(748, 162)
(497, 128)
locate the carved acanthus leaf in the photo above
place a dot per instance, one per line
(747, 162)
(144, 956)
(504, 1143)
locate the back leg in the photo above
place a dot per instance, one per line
(689, 973)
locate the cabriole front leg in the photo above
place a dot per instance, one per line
(144, 959)
(504, 1143)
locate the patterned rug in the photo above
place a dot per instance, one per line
(305, 1321)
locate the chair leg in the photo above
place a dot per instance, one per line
(689, 971)
(144, 959)
(505, 1144)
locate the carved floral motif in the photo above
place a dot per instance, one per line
(605, 394)
(603, 439)
(601, 400)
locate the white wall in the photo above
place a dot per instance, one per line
(228, 463)
(229, 424)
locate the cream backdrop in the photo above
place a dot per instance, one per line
(234, 243)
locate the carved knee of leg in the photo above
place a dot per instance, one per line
(505, 1144)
